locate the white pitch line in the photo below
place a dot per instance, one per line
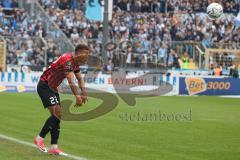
(32, 145)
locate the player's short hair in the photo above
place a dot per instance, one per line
(81, 47)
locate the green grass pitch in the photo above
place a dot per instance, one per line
(213, 133)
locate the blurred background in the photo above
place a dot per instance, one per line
(145, 34)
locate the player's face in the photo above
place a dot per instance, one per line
(81, 57)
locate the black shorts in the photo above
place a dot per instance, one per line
(48, 96)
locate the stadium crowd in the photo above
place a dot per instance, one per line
(26, 38)
(175, 6)
(151, 25)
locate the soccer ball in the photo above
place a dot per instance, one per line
(214, 11)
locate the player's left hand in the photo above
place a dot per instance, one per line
(84, 97)
(79, 101)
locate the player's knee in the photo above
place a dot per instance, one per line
(58, 114)
(58, 126)
(56, 111)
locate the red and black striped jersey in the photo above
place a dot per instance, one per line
(58, 70)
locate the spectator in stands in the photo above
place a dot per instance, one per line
(143, 61)
(64, 4)
(47, 3)
(192, 65)
(207, 41)
(14, 4)
(217, 71)
(129, 59)
(185, 60)
(234, 71)
(170, 59)
(162, 53)
(75, 34)
(7, 4)
(176, 63)
(38, 57)
(122, 4)
(146, 43)
(109, 67)
(22, 55)
(74, 4)
(173, 60)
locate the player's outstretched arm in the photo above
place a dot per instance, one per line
(74, 88)
(81, 85)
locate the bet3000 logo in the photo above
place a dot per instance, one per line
(195, 85)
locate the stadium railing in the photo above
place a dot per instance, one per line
(224, 57)
(36, 12)
(149, 59)
(2, 54)
(31, 42)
